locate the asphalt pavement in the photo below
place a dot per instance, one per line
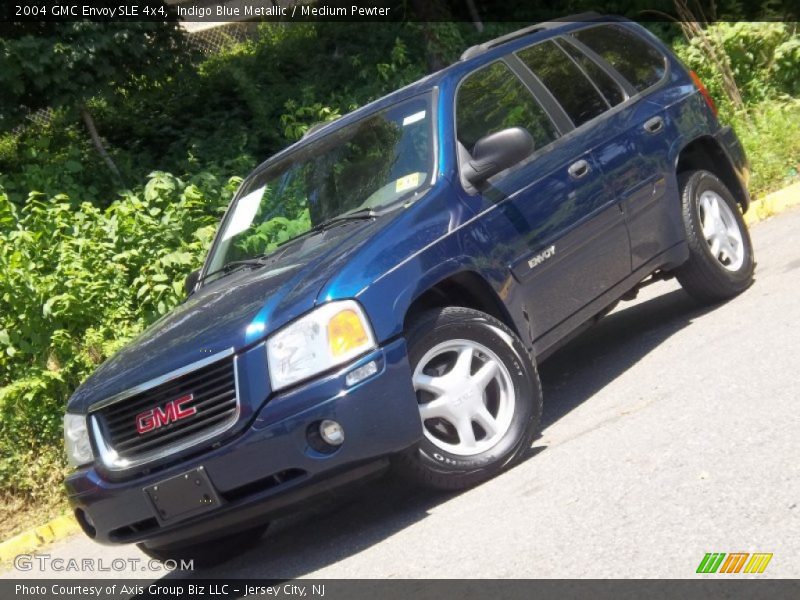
(670, 431)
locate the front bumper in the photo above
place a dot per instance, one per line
(271, 467)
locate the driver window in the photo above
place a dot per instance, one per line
(492, 99)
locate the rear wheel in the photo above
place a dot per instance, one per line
(721, 262)
(479, 398)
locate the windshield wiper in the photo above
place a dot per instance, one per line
(356, 215)
(260, 261)
(235, 265)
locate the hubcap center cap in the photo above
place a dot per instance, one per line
(467, 396)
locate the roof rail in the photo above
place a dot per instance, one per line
(316, 127)
(509, 37)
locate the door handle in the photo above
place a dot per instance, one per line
(579, 169)
(654, 125)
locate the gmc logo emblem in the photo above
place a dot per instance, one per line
(158, 417)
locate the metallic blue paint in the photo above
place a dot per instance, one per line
(379, 417)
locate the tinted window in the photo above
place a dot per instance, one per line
(373, 163)
(636, 60)
(607, 86)
(492, 99)
(565, 80)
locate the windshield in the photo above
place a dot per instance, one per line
(369, 165)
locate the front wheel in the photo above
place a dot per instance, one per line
(721, 262)
(479, 398)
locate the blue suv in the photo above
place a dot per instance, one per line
(381, 291)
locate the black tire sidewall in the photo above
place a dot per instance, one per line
(450, 324)
(693, 187)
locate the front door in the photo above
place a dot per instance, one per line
(565, 234)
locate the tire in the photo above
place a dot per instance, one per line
(714, 272)
(207, 553)
(495, 375)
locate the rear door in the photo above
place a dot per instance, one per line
(633, 149)
(565, 237)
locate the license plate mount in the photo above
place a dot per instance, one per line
(183, 496)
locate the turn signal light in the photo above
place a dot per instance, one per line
(704, 92)
(346, 332)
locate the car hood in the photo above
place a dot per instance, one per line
(235, 312)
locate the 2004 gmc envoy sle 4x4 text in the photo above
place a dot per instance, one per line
(456, 232)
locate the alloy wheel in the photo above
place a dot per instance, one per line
(721, 231)
(466, 397)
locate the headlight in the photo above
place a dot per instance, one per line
(76, 440)
(326, 337)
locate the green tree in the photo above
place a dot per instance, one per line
(69, 65)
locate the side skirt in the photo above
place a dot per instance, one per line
(578, 322)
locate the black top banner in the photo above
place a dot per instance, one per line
(213, 11)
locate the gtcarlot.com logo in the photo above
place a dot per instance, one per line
(734, 562)
(44, 562)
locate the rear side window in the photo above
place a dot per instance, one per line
(492, 99)
(608, 87)
(635, 59)
(576, 94)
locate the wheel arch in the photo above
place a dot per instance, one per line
(705, 152)
(466, 289)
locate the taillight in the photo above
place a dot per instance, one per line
(704, 92)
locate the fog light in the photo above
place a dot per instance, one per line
(331, 432)
(361, 373)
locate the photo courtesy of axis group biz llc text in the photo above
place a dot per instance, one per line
(430, 298)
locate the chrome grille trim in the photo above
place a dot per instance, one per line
(162, 379)
(111, 459)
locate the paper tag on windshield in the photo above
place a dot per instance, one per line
(244, 213)
(407, 183)
(418, 116)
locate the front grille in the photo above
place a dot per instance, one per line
(207, 403)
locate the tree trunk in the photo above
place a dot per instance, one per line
(714, 50)
(430, 13)
(476, 18)
(98, 143)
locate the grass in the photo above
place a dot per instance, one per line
(770, 134)
(18, 513)
(21, 510)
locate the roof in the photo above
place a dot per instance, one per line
(469, 58)
(479, 49)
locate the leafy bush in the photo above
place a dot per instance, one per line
(51, 158)
(785, 67)
(770, 133)
(764, 58)
(77, 282)
(221, 114)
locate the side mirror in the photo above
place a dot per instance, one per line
(497, 152)
(191, 281)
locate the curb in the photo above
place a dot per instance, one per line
(773, 204)
(36, 537)
(61, 527)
